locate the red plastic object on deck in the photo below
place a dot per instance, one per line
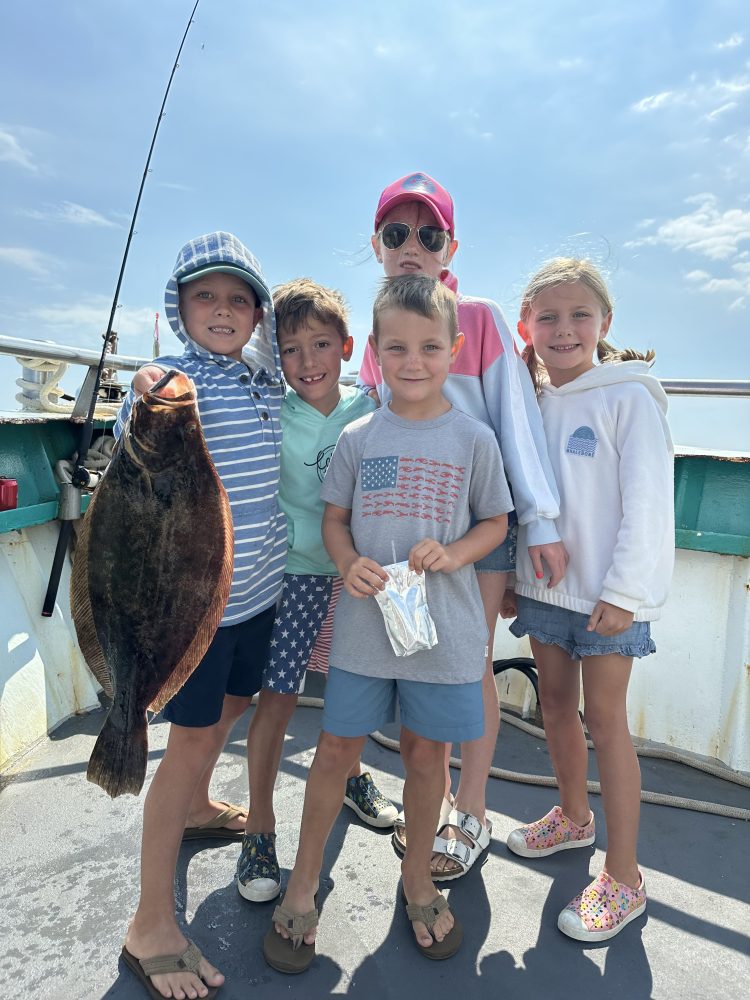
(8, 494)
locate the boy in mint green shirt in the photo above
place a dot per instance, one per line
(313, 336)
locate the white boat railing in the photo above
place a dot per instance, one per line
(20, 347)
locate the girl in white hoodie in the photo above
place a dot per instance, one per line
(612, 455)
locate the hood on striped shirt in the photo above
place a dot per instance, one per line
(222, 248)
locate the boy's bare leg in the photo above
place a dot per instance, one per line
(356, 769)
(153, 930)
(265, 743)
(476, 755)
(203, 808)
(326, 782)
(423, 790)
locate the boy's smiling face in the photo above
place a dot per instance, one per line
(219, 312)
(311, 359)
(415, 354)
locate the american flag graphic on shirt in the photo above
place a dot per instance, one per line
(398, 486)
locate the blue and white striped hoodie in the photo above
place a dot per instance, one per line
(239, 404)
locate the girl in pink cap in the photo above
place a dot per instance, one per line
(414, 233)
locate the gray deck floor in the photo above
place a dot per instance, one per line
(69, 872)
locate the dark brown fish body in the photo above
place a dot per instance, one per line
(151, 574)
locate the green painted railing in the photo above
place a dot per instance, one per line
(712, 504)
(28, 454)
(712, 494)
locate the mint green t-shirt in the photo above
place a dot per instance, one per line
(307, 445)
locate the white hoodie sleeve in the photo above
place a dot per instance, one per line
(643, 556)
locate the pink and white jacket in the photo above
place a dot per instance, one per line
(489, 381)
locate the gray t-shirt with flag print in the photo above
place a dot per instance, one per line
(405, 480)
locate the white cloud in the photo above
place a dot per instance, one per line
(654, 101)
(697, 94)
(720, 111)
(11, 151)
(88, 318)
(69, 212)
(32, 261)
(738, 284)
(732, 42)
(173, 185)
(716, 235)
(567, 64)
(706, 230)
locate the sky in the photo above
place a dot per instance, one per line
(615, 131)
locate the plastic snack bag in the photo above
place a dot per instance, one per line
(403, 603)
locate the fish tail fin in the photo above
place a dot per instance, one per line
(117, 764)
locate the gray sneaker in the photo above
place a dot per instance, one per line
(368, 802)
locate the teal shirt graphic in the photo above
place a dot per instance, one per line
(309, 439)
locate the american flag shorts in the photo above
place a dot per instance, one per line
(301, 617)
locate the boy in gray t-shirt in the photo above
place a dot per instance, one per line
(429, 480)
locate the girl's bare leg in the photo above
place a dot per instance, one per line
(605, 685)
(559, 693)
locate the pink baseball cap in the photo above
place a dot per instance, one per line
(418, 187)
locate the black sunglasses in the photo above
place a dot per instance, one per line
(395, 234)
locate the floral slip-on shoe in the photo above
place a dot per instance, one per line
(550, 834)
(602, 909)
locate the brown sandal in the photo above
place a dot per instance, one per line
(450, 944)
(144, 968)
(216, 828)
(290, 955)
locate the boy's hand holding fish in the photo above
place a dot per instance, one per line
(145, 377)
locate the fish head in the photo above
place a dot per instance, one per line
(163, 422)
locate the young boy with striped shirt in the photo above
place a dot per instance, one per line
(220, 307)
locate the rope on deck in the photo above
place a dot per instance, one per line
(46, 396)
(653, 798)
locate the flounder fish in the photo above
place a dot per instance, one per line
(151, 573)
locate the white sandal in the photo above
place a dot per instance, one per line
(399, 825)
(463, 854)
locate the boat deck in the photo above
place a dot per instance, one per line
(69, 871)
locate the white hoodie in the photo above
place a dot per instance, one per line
(612, 455)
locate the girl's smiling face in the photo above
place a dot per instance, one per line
(564, 324)
(411, 257)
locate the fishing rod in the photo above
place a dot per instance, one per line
(81, 477)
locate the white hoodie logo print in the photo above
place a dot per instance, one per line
(582, 442)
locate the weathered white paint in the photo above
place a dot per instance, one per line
(43, 676)
(694, 692)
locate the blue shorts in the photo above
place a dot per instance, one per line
(503, 558)
(233, 664)
(356, 705)
(556, 626)
(300, 615)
